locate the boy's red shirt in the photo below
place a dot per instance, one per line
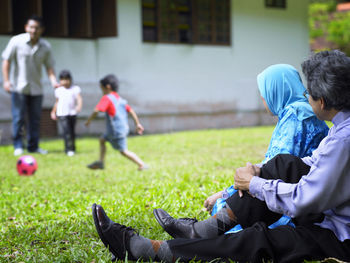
(106, 105)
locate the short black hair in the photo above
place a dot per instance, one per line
(328, 77)
(65, 74)
(36, 18)
(112, 80)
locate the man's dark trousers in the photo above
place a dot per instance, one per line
(23, 105)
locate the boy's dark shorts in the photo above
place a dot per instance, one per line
(119, 144)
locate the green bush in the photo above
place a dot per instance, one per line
(333, 26)
(318, 19)
(339, 31)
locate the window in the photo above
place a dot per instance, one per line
(6, 25)
(276, 3)
(21, 10)
(186, 21)
(62, 18)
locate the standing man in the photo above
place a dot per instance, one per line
(28, 53)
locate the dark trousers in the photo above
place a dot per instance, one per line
(67, 124)
(249, 210)
(256, 242)
(26, 106)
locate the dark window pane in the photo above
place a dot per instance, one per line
(187, 21)
(148, 2)
(6, 25)
(104, 20)
(149, 15)
(149, 34)
(276, 3)
(79, 17)
(167, 21)
(22, 10)
(185, 36)
(62, 18)
(55, 17)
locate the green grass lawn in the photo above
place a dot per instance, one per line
(47, 217)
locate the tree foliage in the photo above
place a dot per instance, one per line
(328, 26)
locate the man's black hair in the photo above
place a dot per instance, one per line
(111, 80)
(328, 77)
(38, 19)
(65, 74)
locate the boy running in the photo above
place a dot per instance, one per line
(116, 109)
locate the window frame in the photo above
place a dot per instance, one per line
(192, 10)
(62, 18)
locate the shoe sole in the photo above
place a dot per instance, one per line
(99, 232)
(94, 168)
(161, 223)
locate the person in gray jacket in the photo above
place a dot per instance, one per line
(27, 53)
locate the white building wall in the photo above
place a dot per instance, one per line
(180, 86)
(172, 81)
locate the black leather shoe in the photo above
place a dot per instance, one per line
(177, 228)
(114, 236)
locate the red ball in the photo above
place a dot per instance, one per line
(26, 165)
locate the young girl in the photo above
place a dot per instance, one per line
(68, 104)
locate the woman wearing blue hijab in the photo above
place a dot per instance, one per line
(297, 132)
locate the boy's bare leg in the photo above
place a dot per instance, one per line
(102, 149)
(133, 157)
(100, 163)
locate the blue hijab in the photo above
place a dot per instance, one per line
(281, 86)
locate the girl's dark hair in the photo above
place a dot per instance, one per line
(111, 80)
(65, 74)
(328, 77)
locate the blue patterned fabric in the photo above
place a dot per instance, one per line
(296, 137)
(297, 132)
